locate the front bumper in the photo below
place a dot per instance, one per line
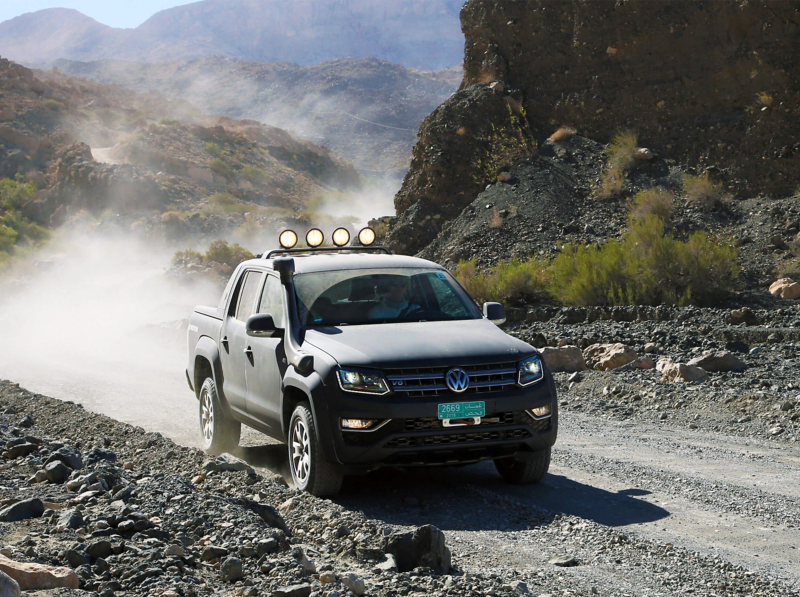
(410, 434)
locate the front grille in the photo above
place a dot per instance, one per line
(429, 381)
(457, 438)
(493, 424)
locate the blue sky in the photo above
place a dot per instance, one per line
(116, 13)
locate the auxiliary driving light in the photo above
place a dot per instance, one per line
(340, 237)
(366, 237)
(314, 237)
(356, 424)
(541, 411)
(288, 239)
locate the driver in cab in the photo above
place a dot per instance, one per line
(393, 304)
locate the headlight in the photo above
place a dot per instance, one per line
(362, 382)
(530, 371)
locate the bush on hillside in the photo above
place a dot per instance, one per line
(656, 201)
(619, 159)
(648, 266)
(702, 191)
(514, 282)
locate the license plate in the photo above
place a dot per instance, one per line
(462, 410)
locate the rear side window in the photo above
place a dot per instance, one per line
(247, 295)
(272, 300)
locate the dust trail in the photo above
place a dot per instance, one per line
(94, 320)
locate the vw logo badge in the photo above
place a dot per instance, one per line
(457, 380)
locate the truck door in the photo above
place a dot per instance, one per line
(234, 341)
(267, 365)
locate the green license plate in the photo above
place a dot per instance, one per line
(462, 410)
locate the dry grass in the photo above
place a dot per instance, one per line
(702, 191)
(620, 154)
(764, 99)
(564, 133)
(656, 201)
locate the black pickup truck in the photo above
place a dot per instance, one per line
(357, 358)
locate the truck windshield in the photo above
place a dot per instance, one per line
(362, 296)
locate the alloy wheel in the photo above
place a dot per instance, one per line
(207, 416)
(301, 452)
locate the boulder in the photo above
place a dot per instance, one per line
(228, 462)
(100, 549)
(301, 590)
(230, 569)
(673, 372)
(32, 508)
(355, 584)
(57, 472)
(71, 519)
(424, 546)
(718, 361)
(564, 358)
(745, 316)
(32, 577)
(643, 363)
(608, 356)
(20, 450)
(99, 454)
(68, 455)
(8, 586)
(785, 288)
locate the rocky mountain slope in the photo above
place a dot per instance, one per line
(78, 148)
(366, 111)
(709, 86)
(418, 33)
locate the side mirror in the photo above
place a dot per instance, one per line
(494, 312)
(260, 325)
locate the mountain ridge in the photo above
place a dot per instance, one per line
(416, 33)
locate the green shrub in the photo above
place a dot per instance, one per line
(221, 168)
(222, 204)
(212, 149)
(655, 201)
(514, 282)
(702, 191)
(619, 158)
(254, 175)
(506, 145)
(16, 230)
(221, 252)
(648, 266)
(14, 194)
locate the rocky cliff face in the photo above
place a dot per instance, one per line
(712, 85)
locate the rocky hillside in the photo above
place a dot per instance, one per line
(417, 33)
(366, 110)
(77, 148)
(707, 87)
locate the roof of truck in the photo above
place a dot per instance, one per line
(324, 262)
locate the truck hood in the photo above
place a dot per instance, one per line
(418, 344)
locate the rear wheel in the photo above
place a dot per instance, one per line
(524, 472)
(310, 472)
(219, 433)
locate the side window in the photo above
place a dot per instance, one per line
(272, 300)
(247, 295)
(448, 302)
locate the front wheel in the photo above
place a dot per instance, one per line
(310, 472)
(524, 472)
(219, 433)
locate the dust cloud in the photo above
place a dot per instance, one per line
(93, 319)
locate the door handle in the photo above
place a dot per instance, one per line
(225, 342)
(249, 351)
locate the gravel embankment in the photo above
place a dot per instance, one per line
(145, 516)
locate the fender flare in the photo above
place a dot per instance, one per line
(208, 349)
(313, 387)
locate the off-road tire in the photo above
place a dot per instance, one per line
(310, 472)
(524, 472)
(218, 432)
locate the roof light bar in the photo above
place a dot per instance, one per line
(367, 236)
(288, 239)
(314, 238)
(341, 236)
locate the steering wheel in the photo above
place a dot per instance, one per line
(430, 314)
